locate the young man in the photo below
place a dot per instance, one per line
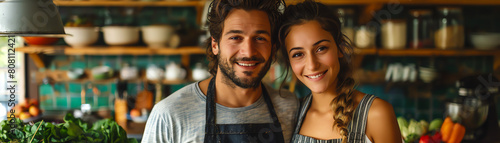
(233, 105)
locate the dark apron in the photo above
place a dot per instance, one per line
(240, 133)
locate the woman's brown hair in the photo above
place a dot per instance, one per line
(342, 105)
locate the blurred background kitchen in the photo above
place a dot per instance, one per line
(424, 57)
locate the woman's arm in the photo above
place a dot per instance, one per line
(382, 126)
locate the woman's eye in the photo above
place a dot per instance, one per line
(322, 48)
(296, 55)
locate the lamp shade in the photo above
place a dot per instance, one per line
(30, 18)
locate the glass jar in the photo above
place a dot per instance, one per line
(450, 32)
(421, 29)
(364, 37)
(394, 34)
(346, 17)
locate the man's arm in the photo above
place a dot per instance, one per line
(157, 129)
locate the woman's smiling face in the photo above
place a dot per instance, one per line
(314, 56)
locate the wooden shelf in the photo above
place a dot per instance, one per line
(408, 2)
(61, 76)
(197, 50)
(188, 3)
(437, 52)
(110, 50)
(365, 51)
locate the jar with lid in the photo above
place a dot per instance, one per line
(346, 17)
(393, 34)
(364, 37)
(450, 32)
(421, 29)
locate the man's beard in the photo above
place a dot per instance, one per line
(229, 72)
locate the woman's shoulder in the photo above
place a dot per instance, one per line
(377, 105)
(381, 116)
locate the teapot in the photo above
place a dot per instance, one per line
(199, 72)
(153, 72)
(174, 71)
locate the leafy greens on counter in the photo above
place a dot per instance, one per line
(72, 130)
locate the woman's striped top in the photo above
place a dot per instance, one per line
(356, 127)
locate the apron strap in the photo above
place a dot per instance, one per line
(210, 127)
(271, 110)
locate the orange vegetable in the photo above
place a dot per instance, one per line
(447, 128)
(458, 133)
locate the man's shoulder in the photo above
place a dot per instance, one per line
(179, 100)
(283, 97)
(280, 93)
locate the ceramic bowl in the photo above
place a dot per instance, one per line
(40, 40)
(157, 36)
(485, 41)
(120, 35)
(81, 36)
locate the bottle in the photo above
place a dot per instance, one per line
(121, 107)
(47, 95)
(346, 17)
(421, 29)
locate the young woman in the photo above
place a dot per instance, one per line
(319, 55)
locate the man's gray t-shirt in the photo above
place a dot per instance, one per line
(180, 117)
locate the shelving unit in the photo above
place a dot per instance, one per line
(130, 3)
(114, 50)
(412, 2)
(195, 3)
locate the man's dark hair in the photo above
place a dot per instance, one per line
(218, 11)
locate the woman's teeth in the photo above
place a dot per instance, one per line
(247, 65)
(316, 76)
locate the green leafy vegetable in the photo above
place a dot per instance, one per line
(72, 130)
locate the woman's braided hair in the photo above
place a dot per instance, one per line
(342, 105)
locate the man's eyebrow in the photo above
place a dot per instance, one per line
(234, 32)
(263, 32)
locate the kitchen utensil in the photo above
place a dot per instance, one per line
(144, 99)
(473, 108)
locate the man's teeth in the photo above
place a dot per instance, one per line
(247, 65)
(316, 76)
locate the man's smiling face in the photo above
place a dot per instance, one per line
(245, 46)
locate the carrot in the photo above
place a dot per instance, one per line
(458, 133)
(446, 128)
